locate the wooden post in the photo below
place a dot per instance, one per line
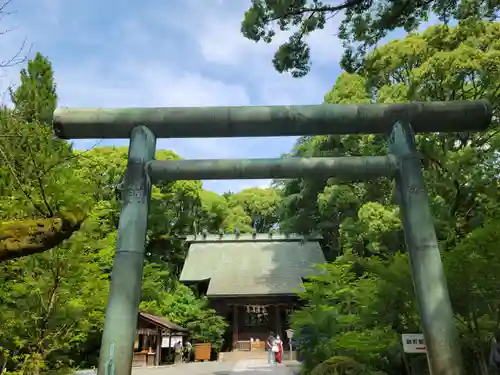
(169, 343)
(158, 348)
(278, 320)
(235, 326)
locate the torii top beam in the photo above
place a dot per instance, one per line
(324, 119)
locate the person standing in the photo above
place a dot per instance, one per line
(178, 352)
(188, 347)
(279, 349)
(269, 344)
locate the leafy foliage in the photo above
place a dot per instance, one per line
(461, 169)
(365, 23)
(364, 299)
(341, 318)
(342, 366)
(52, 304)
(37, 179)
(182, 306)
(35, 98)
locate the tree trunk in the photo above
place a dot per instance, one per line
(25, 237)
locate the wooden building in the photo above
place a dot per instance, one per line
(155, 339)
(251, 280)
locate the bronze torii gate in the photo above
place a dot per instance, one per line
(399, 121)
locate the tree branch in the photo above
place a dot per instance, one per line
(25, 237)
(40, 182)
(73, 156)
(18, 181)
(15, 59)
(321, 9)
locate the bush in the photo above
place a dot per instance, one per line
(343, 366)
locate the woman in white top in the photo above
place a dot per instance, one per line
(278, 349)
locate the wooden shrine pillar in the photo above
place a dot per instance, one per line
(278, 321)
(158, 348)
(235, 326)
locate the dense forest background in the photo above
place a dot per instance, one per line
(61, 206)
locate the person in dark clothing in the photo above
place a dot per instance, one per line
(269, 345)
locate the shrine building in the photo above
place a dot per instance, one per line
(252, 280)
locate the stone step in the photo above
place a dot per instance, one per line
(236, 356)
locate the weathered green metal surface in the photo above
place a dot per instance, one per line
(344, 168)
(438, 322)
(118, 338)
(452, 116)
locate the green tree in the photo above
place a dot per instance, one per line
(365, 23)
(361, 221)
(39, 207)
(179, 304)
(461, 170)
(213, 211)
(64, 205)
(341, 318)
(35, 99)
(473, 289)
(80, 268)
(237, 218)
(260, 205)
(367, 301)
(52, 303)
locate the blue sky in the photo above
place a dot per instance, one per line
(166, 53)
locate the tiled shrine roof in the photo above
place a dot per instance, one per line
(162, 322)
(248, 265)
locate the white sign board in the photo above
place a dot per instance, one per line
(413, 343)
(165, 340)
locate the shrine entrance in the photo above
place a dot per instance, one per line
(399, 121)
(253, 280)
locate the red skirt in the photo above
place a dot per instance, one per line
(279, 354)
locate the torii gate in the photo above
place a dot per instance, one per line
(144, 125)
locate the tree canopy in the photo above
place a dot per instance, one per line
(364, 24)
(365, 316)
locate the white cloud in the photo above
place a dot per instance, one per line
(216, 30)
(148, 86)
(182, 53)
